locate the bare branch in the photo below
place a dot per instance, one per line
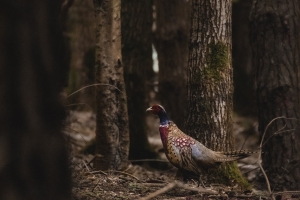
(173, 185)
(96, 84)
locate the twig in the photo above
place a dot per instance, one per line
(259, 157)
(96, 84)
(96, 156)
(160, 191)
(200, 190)
(174, 185)
(273, 135)
(260, 151)
(99, 172)
(149, 160)
(156, 181)
(159, 185)
(285, 131)
(88, 164)
(287, 192)
(85, 166)
(125, 174)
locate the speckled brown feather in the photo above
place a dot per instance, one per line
(181, 151)
(186, 153)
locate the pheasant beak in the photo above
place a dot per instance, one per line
(149, 109)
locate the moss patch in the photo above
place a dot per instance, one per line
(217, 61)
(229, 174)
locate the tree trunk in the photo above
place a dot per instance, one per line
(112, 132)
(137, 59)
(210, 84)
(171, 43)
(275, 40)
(33, 157)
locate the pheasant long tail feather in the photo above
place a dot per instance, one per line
(235, 155)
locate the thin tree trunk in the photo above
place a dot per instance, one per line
(112, 132)
(33, 157)
(275, 40)
(210, 86)
(137, 59)
(171, 43)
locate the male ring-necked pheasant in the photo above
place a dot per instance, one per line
(186, 153)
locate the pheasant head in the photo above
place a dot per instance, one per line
(160, 112)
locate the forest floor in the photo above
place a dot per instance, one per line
(149, 181)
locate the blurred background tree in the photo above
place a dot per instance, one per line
(275, 40)
(138, 71)
(80, 37)
(243, 72)
(171, 36)
(33, 72)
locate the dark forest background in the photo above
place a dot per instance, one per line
(108, 61)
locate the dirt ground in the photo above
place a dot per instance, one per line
(148, 181)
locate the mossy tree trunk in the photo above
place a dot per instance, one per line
(210, 84)
(112, 132)
(33, 71)
(171, 43)
(275, 42)
(137, 60)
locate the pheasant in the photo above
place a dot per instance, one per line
(187, 154)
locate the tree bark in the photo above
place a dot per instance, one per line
(112, 132)
(275, 40)
(33, 157)
(137, 60)
(171, 43)
(210, 86)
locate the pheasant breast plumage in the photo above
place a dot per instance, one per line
(186, 153)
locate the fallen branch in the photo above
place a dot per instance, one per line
(173, 185)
